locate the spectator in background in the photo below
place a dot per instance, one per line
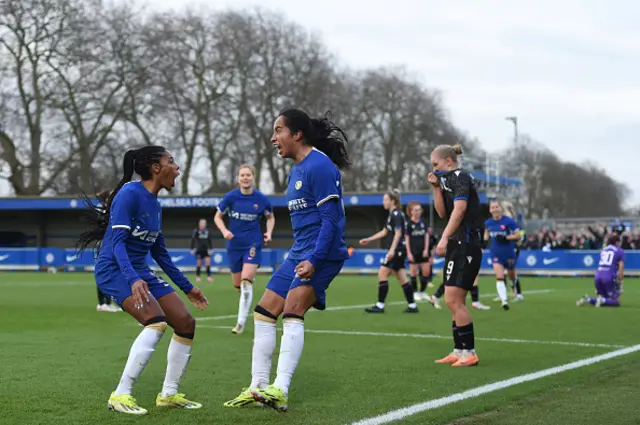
(589, 238)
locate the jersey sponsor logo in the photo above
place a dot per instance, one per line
(145, 235)
(243, 216)
(297, 204)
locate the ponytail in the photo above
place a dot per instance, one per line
(98, 216)
(331, 140)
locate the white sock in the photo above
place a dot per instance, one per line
(246, 296)
(502, 290)
(178, 357)
(380, 305)
(264, 344)
(291, 346)
(139, 356)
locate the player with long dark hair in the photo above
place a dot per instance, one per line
(418, 250)
(245, 207)
(127, 228)
(456, 200)
(314, 197)
(394, 231)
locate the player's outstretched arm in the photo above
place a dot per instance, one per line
(379, 235)
(161, 255)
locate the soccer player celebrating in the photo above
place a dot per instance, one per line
(457, 201)
(395, 231)
(245, 207)
(314, 197)
(202, 247)
(128, 228)
(503, 232)
(418, 250)
(609, 277)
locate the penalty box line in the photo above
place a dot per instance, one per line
(447, 337)
(399, 414)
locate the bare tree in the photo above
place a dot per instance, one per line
(91, 68)
(34, 148)
(279, 65)
(194, 82)
(564, 189)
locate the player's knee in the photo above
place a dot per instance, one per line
(262, 314)
(185, 324)
(158, 323)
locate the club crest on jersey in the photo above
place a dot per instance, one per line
(255, 206)
(443, 184)
(298, 184)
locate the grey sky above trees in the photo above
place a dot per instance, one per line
(81, 82)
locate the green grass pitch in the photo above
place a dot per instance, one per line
(60, 359)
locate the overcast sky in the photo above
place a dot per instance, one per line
(570, 70)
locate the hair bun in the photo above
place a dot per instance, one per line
(457, 148)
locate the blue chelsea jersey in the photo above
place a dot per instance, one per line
(505, 227)
(245, 212)
(137, 210)
(312, 182)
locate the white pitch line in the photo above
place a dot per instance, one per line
(448, 337)
(352, 307)
(396, 415)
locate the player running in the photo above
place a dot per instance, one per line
(128, 228)
(245, 208)
(314, 198)
(418, 250)
(394, 232)
(503, 232)
(609, 277)
(202, 248)
(456, 199)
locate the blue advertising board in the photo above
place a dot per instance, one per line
(557, 262)
(208, 202)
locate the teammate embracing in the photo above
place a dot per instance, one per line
(456, 200)
(503, 232)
